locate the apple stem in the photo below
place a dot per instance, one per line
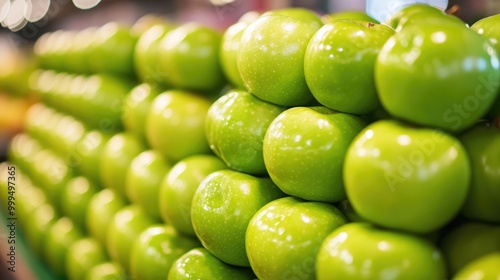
(453, 9)
(370, 24)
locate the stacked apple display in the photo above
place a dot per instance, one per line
(289, 147)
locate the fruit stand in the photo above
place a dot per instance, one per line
(291, 144)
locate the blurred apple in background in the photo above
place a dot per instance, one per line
(82, 256)
(75, 200)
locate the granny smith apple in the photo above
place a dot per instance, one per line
(277, 76)
(143, 180)
(487, 267)
(483, 147)
(284, 237)
(391, 170)
(199, 263)
(40, 221)
(421, 13)
(444, 65)
(155, 251)
(175, 124)
(101, 209)
(350, 15)
(147, 51)
(117, 155)
(222, 207)
(188, 49)
(178, 187)
(235, 116)
(82, 256)
(468, 242)
(339, 64)
(136, 108)
(113, 49)
(59, 238)
(363, 251)
(107, 271)
(302, 14)
(489, 28)
(75, 200)
(304, 150)
(87, 154)
(124, 229)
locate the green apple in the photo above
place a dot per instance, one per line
(240, 115)
(284, 237)
(277, 76)
(58, 239)
(112, 50)
(199, 263)
(179, 186)
(339, 64)
(117, 155)
(75, 200)
(192, 48)
(488, 27)
(391, 170)
(107, 271)
(143, 180)
(124, 229)
(40, 221)
(421, 13)
(136, 108)
(21, 150)
(82, 256)
(147, 51)
(222, 207)
(101, 209)
(350, 15)
(444, 65)
(155, 251)
(487, 267)
(304, 150)
(302, 14)
(363, 251)
(468, 242)
(483, 200)
(175, 124)
(87, 154)
(346, 207)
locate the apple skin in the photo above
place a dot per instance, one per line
(155, 251)
(391, 170)
(135, 111)
(487, 267)
(304, 150)
(82, 256)
(421, 13)
(283, 237)
(179, 186)
(143, 181)
(60, 236)
(87, 154)
(346, 252)
(175, 125)
(277, 76)
(446, 65)
(302, 14)
(106, 271)
(126, 226)
(101, 209)
(483, 200)
(468, 242)
(192, 48)
(117, 155)
(75, 200)
(200, 264)
(339, 49)
(240, 115)
(230, 46)
(146, 52)
(39, 221)
(222, 207)
(350, 15)
(489, 28)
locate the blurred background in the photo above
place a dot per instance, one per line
(24, 21)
